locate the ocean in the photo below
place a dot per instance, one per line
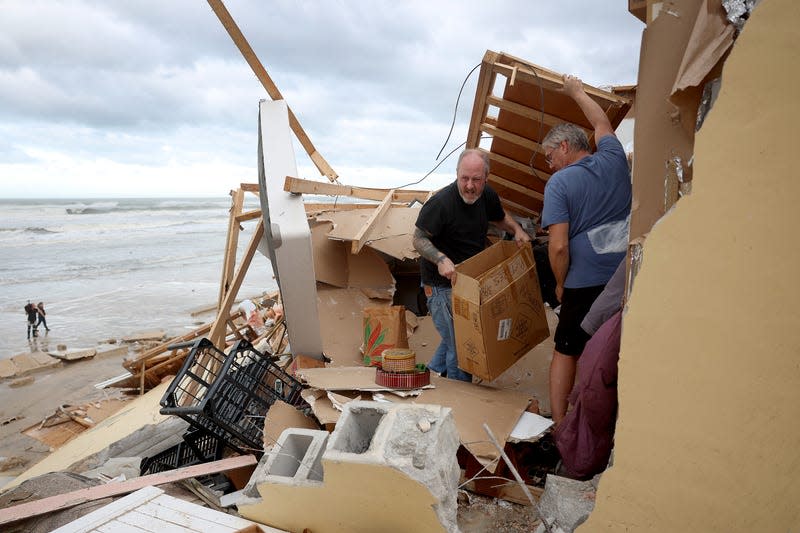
(110, 268)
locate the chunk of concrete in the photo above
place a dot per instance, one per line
(387, 467)
(73, 354)
(566, 503)
(295, 459)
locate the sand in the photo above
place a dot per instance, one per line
(71, 383)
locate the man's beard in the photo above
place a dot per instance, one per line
(468, 202)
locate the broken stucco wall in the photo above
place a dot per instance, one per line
(708, 433)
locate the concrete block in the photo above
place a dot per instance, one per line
(566, 503)
(401, 458)
(419, 440)
(295, 459)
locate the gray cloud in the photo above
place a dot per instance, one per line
(373, 83)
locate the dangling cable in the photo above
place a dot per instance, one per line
(455, 111)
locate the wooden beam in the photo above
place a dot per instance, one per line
(250, 215)
(522, 167)
(516, 186)
(529, 112)
(217, 335)
(485, 85)
(272, 90)
(301, 186)
(231, 244)
(513, 206)
(363, 234)
(249, 187)
(90, 494)
(519, 140)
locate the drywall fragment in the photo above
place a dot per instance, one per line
(566, 503)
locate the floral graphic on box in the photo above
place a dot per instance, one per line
(373, 343)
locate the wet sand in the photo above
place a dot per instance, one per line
(71, 383)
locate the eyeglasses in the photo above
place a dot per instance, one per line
(548, 156)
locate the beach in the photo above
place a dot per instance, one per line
(106, 268)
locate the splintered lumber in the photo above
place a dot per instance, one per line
(249, 215)
(217, 335)
(376, 216)
(70, 499)
(229, 261)
(134, 364)
(301, 186)
(272, 90)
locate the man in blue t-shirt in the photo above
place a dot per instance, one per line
(451, 227)
(587, 204)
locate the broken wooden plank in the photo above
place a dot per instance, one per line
(272, 90)
(231, 244)
(372, 221)
(301, 186)
(217, 335)
(70, 499)
(249, 215)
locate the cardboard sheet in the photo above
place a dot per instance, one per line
(282, 416)
(472, 405)
(340, 316)
(391, 236)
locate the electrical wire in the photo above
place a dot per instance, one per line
(541, 123)
(455, 110)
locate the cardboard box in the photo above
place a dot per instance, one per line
(498, 311)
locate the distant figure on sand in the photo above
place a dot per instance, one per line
(33, 312)
(42, 319)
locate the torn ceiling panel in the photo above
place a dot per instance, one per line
(517, 121)
(392, 235)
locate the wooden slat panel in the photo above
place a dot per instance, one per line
(512, 137)
(70, 499)
(527, 191)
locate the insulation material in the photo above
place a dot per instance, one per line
(707, 430)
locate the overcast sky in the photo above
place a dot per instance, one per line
(152, 98)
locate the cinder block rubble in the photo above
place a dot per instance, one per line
(399, 458)
(295, 459)
(566, 503)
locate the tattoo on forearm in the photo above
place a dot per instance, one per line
(425, 247)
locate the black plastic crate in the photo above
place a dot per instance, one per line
(197, 447)
(229, 396)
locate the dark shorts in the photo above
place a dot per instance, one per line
(575, 303)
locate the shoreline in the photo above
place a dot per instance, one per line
(27, 400)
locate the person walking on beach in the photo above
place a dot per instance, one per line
(42, 319)
(32, 311)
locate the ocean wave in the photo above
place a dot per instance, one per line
(127, 206)
(30, 229)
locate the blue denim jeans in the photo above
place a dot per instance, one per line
(444, 359)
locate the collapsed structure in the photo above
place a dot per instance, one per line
(690, 362)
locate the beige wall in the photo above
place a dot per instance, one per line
(708, 435)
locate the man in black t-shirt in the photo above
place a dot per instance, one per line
(451, 227)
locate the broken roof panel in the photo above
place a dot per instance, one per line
(531, 104)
